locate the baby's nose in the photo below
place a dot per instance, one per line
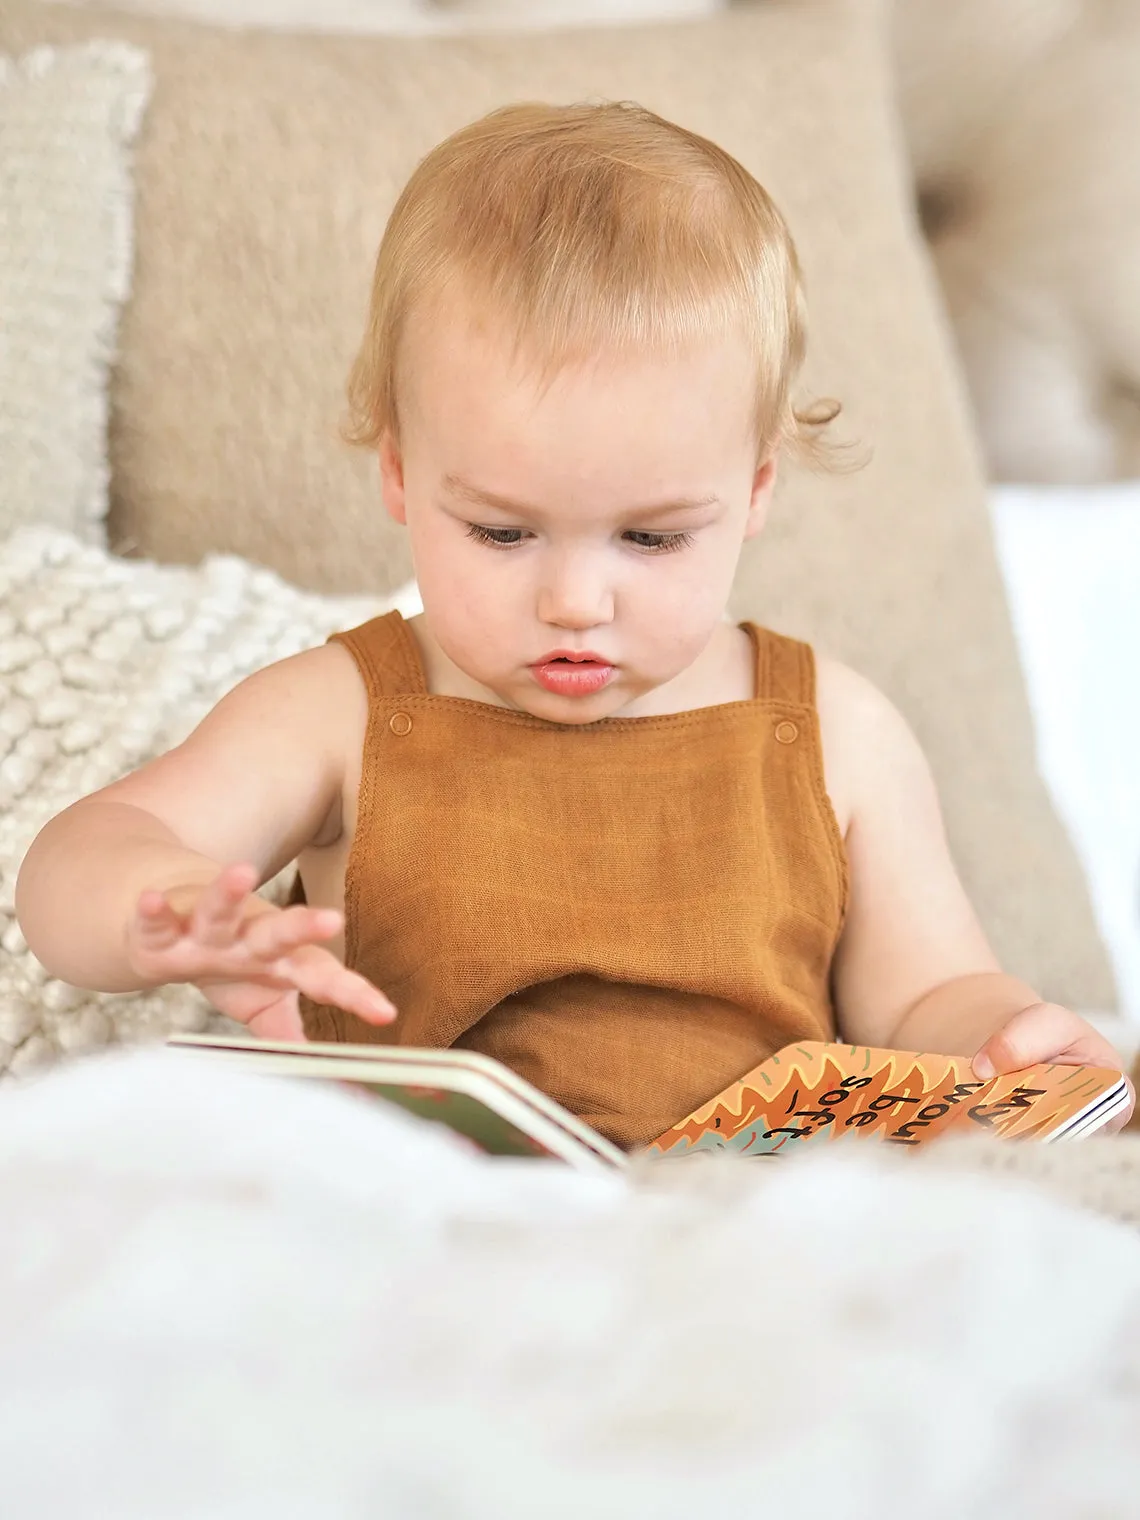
(575, 594)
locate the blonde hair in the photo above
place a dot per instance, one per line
(592, 229)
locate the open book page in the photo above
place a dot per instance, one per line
(475, 1097)
(806, 1094)
(814, 1093)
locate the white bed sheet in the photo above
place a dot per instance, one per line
(1071, 561)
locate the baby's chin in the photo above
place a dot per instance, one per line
(578, 714)
(526, 695)
(571, 712)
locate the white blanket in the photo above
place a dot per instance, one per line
(224, 1296)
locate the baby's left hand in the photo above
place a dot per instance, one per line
(1047, 1032)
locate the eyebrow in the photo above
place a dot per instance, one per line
(677, 506)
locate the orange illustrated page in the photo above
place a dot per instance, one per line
(816, 1092)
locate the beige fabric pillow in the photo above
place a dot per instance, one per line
(66, 121)
(1022, 118)
(267, 169)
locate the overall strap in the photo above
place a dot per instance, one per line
(387, 656)
(785, 668)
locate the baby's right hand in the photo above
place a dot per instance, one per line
(250, 958)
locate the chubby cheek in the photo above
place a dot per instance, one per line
(671, 639)
(471, 608)
(437, 557)
(679, 604)
(669, 611)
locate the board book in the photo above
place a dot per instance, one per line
(805, 1095)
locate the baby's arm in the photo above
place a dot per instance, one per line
(914, 970)
(151, 879)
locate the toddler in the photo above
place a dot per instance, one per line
(570, 816)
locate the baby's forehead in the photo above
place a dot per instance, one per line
(572, 507)
(464, 343)
(602, 436)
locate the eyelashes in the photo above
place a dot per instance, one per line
(659, 543)
(497, 538)
(646, 543)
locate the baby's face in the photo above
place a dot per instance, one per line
(598, 516)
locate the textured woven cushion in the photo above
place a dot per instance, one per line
(66, 119)
(268, 168)
(106, 663)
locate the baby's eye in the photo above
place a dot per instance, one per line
(500, 538)
(659, 543)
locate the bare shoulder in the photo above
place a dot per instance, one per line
(264, 774)
(313, 702)
(847, 699)
(322, 682)
(868, 746)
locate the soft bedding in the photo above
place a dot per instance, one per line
(200, 1316)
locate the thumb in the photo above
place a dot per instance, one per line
(1041, 1032)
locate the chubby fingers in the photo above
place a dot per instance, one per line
(278, 934)
(220, 910)
(318, 974)
(157, 926)
(1044, 1032)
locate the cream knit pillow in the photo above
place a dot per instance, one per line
(105, 663)
(67, 117)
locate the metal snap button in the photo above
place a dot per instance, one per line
(400, 723)
(786, 733)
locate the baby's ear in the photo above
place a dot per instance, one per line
(763, 484)
(392, 478)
